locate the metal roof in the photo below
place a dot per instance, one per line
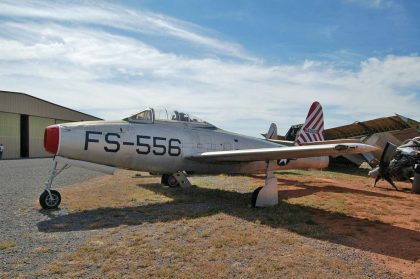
(365, 128)
(21, 103)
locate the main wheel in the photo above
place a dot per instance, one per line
(50, 202)
(169, 180)
(255, 196)
(172, 182)
(164, 179)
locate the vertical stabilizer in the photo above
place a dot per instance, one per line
(272, 132)
(313, 128)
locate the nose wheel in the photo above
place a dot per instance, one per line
(50, 199)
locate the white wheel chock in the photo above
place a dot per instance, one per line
(268, 195)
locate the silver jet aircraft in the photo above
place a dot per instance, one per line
(177, 144)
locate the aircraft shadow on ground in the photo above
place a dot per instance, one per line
(196, 202)
(306, 190)
(338, 169)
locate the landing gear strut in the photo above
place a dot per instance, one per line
(51, 199)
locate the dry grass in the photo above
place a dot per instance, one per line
(6, 245)
(110, 191)
(216, 246)
(211, 231)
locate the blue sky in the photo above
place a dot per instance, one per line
(291, 31)
(238, 64)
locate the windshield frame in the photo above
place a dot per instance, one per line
(197, 122)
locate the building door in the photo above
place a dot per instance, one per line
(24, 136)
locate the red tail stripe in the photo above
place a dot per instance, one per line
(318, 122)
(312, 108)
(314, 117)
(305, 137)
(315, 120)
(311, 117)
(314, 123)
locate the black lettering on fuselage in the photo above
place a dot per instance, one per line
(114, 142)
(128, 143)
(158, 146)
(174, 150)
(139, 143)
(88, 139)
(161, 147)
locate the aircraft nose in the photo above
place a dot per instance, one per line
(51, 139)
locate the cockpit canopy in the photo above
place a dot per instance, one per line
(150, 115)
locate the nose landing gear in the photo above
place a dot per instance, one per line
(51, 199)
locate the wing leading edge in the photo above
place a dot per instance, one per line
(277, 153)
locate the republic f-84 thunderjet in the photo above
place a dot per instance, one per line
(176, 144)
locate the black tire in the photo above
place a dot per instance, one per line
(172, 182)
(164, 179)
(46, 202)
(255, 196)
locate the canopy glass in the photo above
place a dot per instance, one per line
(152, 115)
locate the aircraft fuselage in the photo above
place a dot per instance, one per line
(161, 147)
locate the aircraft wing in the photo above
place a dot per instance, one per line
(278, 153)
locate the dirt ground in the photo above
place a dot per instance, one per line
(327, 225)
(383, 222)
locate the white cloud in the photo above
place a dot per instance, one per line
(109, 15)
(113, 74)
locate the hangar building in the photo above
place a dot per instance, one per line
(23, 119)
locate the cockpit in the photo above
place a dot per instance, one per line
(151, 115)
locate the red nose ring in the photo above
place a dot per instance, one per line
(51, 139)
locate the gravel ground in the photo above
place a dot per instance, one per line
(21, 183)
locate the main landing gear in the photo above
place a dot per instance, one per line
(169, 180)
(51, 199)
(267, 195)
(178, 179)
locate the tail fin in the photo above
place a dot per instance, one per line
(272, 132)
(313, 128)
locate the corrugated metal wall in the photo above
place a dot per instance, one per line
(10, 134)
(37, 126)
